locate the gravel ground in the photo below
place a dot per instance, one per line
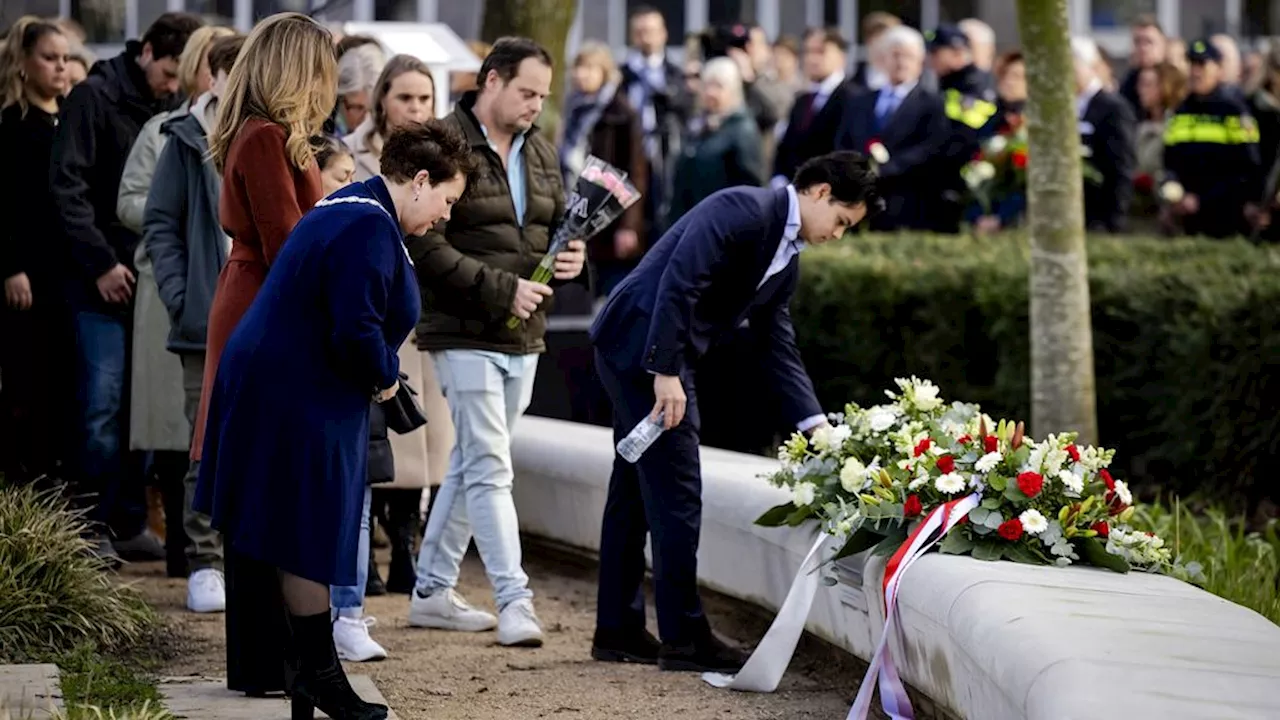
(453, 676)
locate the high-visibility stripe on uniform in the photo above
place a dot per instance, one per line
(1210, 129)
(977, 115)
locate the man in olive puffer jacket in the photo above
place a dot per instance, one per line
(472, 274)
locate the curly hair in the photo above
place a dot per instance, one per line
(432, 146)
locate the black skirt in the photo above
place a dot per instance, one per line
(258, 639)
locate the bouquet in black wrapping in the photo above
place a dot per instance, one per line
(600, 195)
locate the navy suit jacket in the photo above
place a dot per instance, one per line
(698, 283)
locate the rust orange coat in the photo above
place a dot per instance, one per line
(263, 197)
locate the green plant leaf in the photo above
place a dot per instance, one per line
(956, 543)
(1014, 495)
(1019, 552)
(1095, 553)
(991, 503)
(890, 544)
(798, 518)
(978, 515)
(776, 516)
(989, 550)
(864, 538)
(997, 483)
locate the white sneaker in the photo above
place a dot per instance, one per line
(447, 610)
(519, 626)
(351, 638)
(206, 591)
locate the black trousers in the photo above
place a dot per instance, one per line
(38, 411)
(258, 639)
(660, 495)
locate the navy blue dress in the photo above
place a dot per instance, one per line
(286, 447)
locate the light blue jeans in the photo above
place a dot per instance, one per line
(348, 602)
(487, 392)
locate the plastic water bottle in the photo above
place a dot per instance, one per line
(640, 438)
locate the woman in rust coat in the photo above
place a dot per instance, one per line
(279, 94)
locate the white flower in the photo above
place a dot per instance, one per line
(1172, 192)
(881, 418)
(803, 493)
(879, 153)
(922, 394)
(1122, 492)
(1053, 460)
(997, 144)
(853, 475)
(823, 438)
(840, 434)
(988, 462)
(918, 482)
(950, 484)
(1071, 481)
(1033, 522)
(843, 528)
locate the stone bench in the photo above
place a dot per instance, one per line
(984, 641)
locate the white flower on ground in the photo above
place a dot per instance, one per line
(950, 484)
(988, 462)
(1071, 481)
(853, 475)
(878, 153)
(803, 493)
(881, 418)
(1122, 492)
(1033, 522)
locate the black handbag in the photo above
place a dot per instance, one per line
(402, 411)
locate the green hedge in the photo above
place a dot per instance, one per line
(1186, 342)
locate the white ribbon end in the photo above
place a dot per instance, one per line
(719, 680)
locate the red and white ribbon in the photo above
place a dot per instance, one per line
(893, 693)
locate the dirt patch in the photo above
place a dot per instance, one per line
(456, 676)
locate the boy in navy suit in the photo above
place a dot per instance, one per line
(734, 257)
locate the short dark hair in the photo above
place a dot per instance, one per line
(432, 146)
(642, 10)
(168, 35)
(850, 175)
(830, 36)
(223, 53)
(1146, 20)
(507, 54)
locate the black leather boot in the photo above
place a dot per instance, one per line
(703, 653)
(373, 585)
(321, 682)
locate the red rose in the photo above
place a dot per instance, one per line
(1106, 478)
(912, 507)
(1020, 159)
(964, 439)
(1102, 529)
(1074, 452)
(990, 443)
(923, 447)
(1115, 505)
(977, 156)
(1144, 183)
(1030, 483)
(946, 464)
(1010, 529)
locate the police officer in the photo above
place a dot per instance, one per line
(1213, 176)
(969, 98)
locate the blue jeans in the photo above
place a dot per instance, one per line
(487, 392)
(102, 343)
(349, 601)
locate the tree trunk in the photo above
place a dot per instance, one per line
(547, 23)
(1062, 388)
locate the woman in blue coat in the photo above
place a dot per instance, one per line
(286, 446)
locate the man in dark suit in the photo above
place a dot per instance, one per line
(734, 257)
(815, 117)
(1107, 130)
(910, 124)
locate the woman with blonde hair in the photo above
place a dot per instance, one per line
(33, 323)
(279, 93)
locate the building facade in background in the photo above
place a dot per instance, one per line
(110, 22)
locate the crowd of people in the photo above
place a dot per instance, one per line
(150, 335)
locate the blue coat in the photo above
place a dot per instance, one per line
(698, 283)
(287, 442)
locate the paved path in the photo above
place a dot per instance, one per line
(29, 692)
(432, 675)
(198, 698)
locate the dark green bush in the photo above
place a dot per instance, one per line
(1186, 343)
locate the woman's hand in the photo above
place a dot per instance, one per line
(17, 291)
(385, 395)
